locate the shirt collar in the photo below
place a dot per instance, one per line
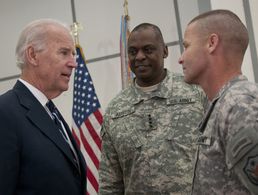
(37, 93)
(162, 90)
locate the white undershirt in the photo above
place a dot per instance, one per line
(148, 89)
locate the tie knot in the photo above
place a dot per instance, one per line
(51, 106)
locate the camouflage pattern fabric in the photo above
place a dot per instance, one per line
(227, 156)
(148, 139)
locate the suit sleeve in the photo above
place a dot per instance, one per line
(9, 154)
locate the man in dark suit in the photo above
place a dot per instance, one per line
(38, 155)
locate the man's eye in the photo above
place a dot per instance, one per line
(148, 50)
(64, 52)
(132, 52)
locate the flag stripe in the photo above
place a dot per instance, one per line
(99, 116)
(88, 158)
(86, 135)
(90, 164)
(89, 150)
(91, 128)
(92, 180)
(87, 120)
(91, 189)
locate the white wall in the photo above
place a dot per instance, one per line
(100, 36)
(254, 15)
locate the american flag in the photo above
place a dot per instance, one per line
(87, 120)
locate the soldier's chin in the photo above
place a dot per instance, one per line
(188, 80)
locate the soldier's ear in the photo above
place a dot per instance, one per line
(213, 42)
(165, 52)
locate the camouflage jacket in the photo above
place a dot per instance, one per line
(227, 156)
(148, 139)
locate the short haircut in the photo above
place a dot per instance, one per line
(149, 25)
(227, 25)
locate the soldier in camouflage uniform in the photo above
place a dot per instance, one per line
(149, 127)
(227, 157)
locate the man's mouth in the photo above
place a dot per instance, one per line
(142, 67)
(67, 75)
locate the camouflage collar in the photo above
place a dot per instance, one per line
(228, 85)
(162, 91)
(203, 123)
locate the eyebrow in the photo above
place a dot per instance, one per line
(66, 49)
(147, 45)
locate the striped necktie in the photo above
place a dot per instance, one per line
(57, 120)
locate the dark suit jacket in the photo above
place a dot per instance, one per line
(34, 157)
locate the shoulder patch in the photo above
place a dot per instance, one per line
(240, 144)
(251, 169)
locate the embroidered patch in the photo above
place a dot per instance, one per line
(251, 169)
(182, 100)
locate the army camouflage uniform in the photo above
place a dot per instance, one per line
(227, 156)
(148, 139)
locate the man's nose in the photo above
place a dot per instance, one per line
(72, 63)
(180, 60)
(140, 55)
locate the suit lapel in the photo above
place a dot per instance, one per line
(40, 118)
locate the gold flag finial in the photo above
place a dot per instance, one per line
(76, 27)
(126, 14)
(126, 8)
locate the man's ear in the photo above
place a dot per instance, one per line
(213, 42)
(165, 52)
(31, 55)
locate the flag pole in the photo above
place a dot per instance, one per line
(126, 74)
(73, 11)
(84, 91)
(75, 26)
